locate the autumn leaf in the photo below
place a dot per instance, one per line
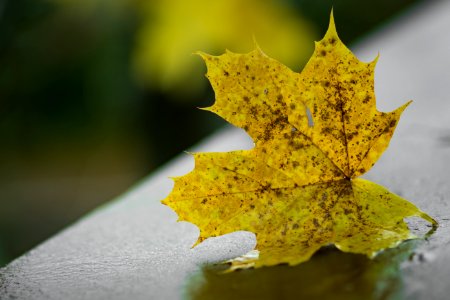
(297, 190)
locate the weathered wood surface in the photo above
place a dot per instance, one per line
(132, 248)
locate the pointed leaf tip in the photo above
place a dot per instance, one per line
(207, 108)
(256, 45)
(203, 55)
(404, 106)
(199, 240)
(332, 26)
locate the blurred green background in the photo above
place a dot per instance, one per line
(95, 94)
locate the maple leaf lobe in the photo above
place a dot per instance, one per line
(339, 91)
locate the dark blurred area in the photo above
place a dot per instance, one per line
(95, 94)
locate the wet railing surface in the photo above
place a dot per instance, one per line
(133, 248)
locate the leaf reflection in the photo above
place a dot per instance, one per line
(330, 274)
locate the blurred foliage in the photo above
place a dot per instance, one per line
(64, 70)
(68, 117)
(95, 94)
(174, 29)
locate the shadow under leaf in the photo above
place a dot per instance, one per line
(329, 274)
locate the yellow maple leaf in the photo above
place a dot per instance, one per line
(314, 133)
